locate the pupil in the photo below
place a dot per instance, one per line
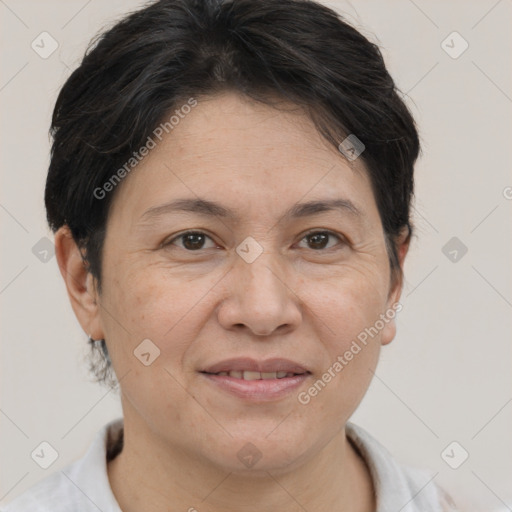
(319, 240)
(193, 240)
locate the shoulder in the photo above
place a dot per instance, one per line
(398, 486)
(82, 485)
(55, 493)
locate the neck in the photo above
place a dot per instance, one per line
(149, 476)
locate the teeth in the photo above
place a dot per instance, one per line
(250, 375)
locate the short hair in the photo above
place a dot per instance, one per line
(155, 59)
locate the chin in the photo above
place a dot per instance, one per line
(258, 455)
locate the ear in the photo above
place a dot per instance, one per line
(393, 305)
(80, 284)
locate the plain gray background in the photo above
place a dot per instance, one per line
(446, 377)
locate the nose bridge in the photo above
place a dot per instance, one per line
(259, 296)
(259, 265)
(263, 279)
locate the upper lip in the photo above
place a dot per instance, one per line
(246, 363)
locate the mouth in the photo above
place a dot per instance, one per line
(251, 375)
(253, 369)
(259, 381)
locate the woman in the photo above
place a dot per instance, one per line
(229, 188)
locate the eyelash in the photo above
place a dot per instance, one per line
(342, 240)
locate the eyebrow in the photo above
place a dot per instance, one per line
(213, 209)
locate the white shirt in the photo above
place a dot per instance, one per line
(83, 485)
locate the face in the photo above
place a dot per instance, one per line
(262, 278)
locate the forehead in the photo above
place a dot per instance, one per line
(232, 150)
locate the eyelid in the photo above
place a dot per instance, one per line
(169, 241)
(313, 231)
(342, 239)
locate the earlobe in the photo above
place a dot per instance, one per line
(389, 331)
(79, 282)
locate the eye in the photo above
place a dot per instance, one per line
(319, 240)
(195, 240)
(191, 241)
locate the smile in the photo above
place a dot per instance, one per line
(256, 387)
(252, 375)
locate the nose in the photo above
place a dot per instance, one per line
(259, 297)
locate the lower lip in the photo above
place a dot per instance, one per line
(257, 390)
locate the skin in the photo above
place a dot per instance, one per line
(182, 434)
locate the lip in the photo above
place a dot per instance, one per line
(263, 390)
(246, 363)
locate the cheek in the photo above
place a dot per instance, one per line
(347, 304)
(346, 312)
(167, 311)
(147, 307)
